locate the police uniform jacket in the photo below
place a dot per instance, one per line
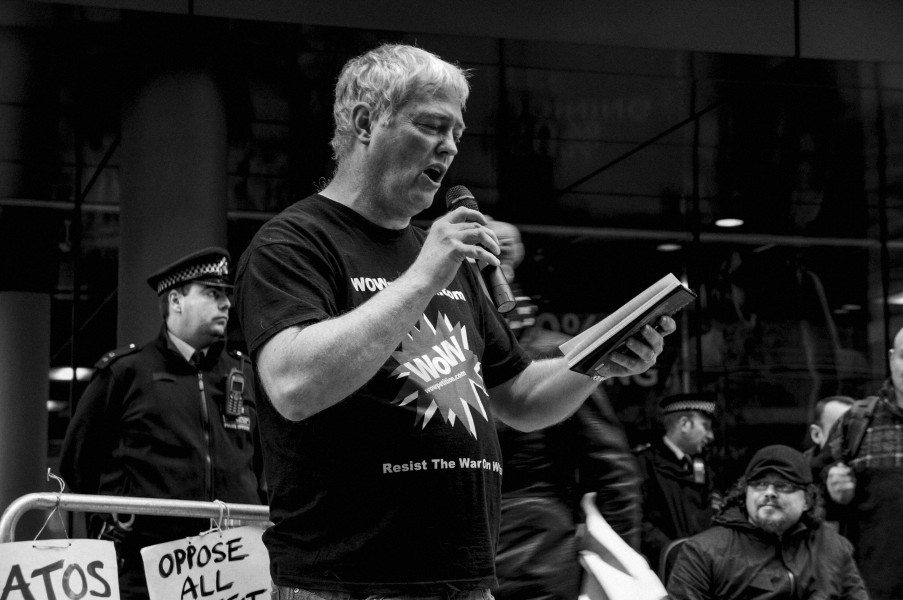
(151, 424)
(675, 503)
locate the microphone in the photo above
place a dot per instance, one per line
(493, 277)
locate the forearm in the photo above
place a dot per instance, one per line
(543, 394)
(305, 370)
(548, 391)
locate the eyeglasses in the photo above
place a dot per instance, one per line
(782, 487)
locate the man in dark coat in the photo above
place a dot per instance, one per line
(547, 471)
(864, 479)
(678, 487)
(174, 418)
(769, 541)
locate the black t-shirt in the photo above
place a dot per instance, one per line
(396, 488)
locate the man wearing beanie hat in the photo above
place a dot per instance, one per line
(768, 540)
(678, 487)
(174, 418)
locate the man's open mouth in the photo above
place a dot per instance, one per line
(434, 173)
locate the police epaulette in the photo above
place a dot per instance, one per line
(112, 355)
(239, 355)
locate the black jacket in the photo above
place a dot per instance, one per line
(675, 505)
(143, 428)
(735, 560)
(546, 474)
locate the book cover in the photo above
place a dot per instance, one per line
(588, 351)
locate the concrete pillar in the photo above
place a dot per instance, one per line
(24, 389)
(28, 261)
(173, 184)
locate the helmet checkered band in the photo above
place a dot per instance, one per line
(219, 268)
(700, 405)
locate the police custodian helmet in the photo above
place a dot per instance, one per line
(209, 266)
(703, 402)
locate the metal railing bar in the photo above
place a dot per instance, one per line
(139, 506)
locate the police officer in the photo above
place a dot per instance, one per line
(174, 418)
(678, 489)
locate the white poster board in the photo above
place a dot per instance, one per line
(55, 569)
(612, 569)
(231, 564)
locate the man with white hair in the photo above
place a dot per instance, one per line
(382, 364)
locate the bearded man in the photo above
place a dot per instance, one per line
(768, 541)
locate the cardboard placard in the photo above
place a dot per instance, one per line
(56, 569)
(232, 564)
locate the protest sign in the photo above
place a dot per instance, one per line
(229, 564)
(58, 569)
(612, 570)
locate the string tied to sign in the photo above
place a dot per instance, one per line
(56, 510)
(217, 524)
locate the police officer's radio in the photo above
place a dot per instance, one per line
(235, 387)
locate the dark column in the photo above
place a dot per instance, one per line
(173, 185)
(28, 261)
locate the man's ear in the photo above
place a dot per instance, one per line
(362, 122)
(175, 301)
(816, 434)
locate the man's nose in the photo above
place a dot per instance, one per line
(448, 145)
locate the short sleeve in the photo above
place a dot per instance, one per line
(280, 284)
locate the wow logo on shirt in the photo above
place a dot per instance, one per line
(443, 374)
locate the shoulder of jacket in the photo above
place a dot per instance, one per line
(864, 407)
(113, 355)
(240, 356)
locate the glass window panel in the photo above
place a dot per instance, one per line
(809, 153)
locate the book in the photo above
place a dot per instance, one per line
(589, 350)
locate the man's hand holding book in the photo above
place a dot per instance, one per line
(625, 342)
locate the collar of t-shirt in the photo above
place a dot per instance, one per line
(677, 451)
(184, 348)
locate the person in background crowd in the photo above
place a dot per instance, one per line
(383, 366)
(679, 497)
(174, 418)
(548, 471)
(826, 412)
(768, 541)
(864, 480)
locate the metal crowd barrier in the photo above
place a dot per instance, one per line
(115, 504)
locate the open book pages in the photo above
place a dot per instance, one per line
(589, 350)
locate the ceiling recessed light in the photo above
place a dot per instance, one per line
(729, 222)
(668, 247)
(55, 406)
(65, 373)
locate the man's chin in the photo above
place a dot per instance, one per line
(217, 332)
(775, 523)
